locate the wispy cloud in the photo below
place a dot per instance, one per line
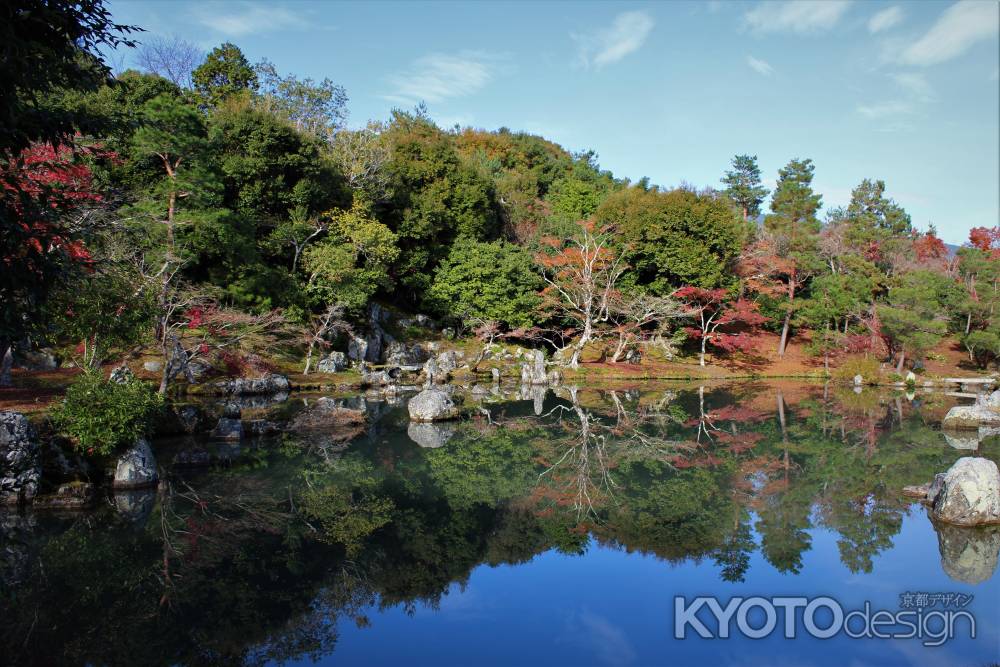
(885, 19)
(915, 84)
(959, 27)
(626, 34)
(760, 66)
(439, 76)
(796, 17)
(239, 19)
(885, 109)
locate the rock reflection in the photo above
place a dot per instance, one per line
(968, 555)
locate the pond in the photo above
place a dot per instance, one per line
(558, 527)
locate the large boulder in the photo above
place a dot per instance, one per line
(401, 354)
(432, 405)
(334, 362)
(136, 468)
(269, 384)
(20, 460)
(969, 493)
(970, 417)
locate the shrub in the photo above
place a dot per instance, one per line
(103, 416)
(866, 367)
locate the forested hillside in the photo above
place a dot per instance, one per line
(204, 206)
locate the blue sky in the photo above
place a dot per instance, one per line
(905, 92)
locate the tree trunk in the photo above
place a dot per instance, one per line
(701, 357)
(902, 358)
(622, 340)
(788, 318)
(6, 361)
(588, 331)
(309, 357)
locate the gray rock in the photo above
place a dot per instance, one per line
(136, 468)
(153, 366)
(401, 354)
(20, 459)
(432, 405)
(269, 384)
(993, 400)
(228, 429)
(197, 371)
(970, 417)
(357, 349)
(858, 380)
(535, 373)
(495, 372)
(36, 360)
(386, 377)
(970, 493)
(121, 374)
(449, 361)
(968, 555)
(232, 410)
(260, 427)
(334, 362)
(430, 435)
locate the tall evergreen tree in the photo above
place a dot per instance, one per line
(225, 71)
(744, 187)
(794, 227)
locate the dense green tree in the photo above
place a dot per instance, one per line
(916, 316)
(351, 264)
(487, 282)
(436, 198)
(743, 185)
(674, 238)
(269, 168)
(224, 73)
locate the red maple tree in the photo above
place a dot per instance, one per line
(712, 310)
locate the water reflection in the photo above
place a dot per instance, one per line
(271, 550)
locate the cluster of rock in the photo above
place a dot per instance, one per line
(20, 460)
(968, 494)
(23, 459)
(984, 412)
(267, 385)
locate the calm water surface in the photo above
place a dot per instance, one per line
(550, 527)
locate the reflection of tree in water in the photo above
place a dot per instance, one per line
(257, 562)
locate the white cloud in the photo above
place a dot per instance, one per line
(959, 27)
(915, 85)
(241, 19)
(885, 19)
(625, 35)
(885, 109)
(760, 66)
(797, 17)
(439, 76)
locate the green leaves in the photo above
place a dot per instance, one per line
(489, 282)
(744, 187)
(102, 416)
